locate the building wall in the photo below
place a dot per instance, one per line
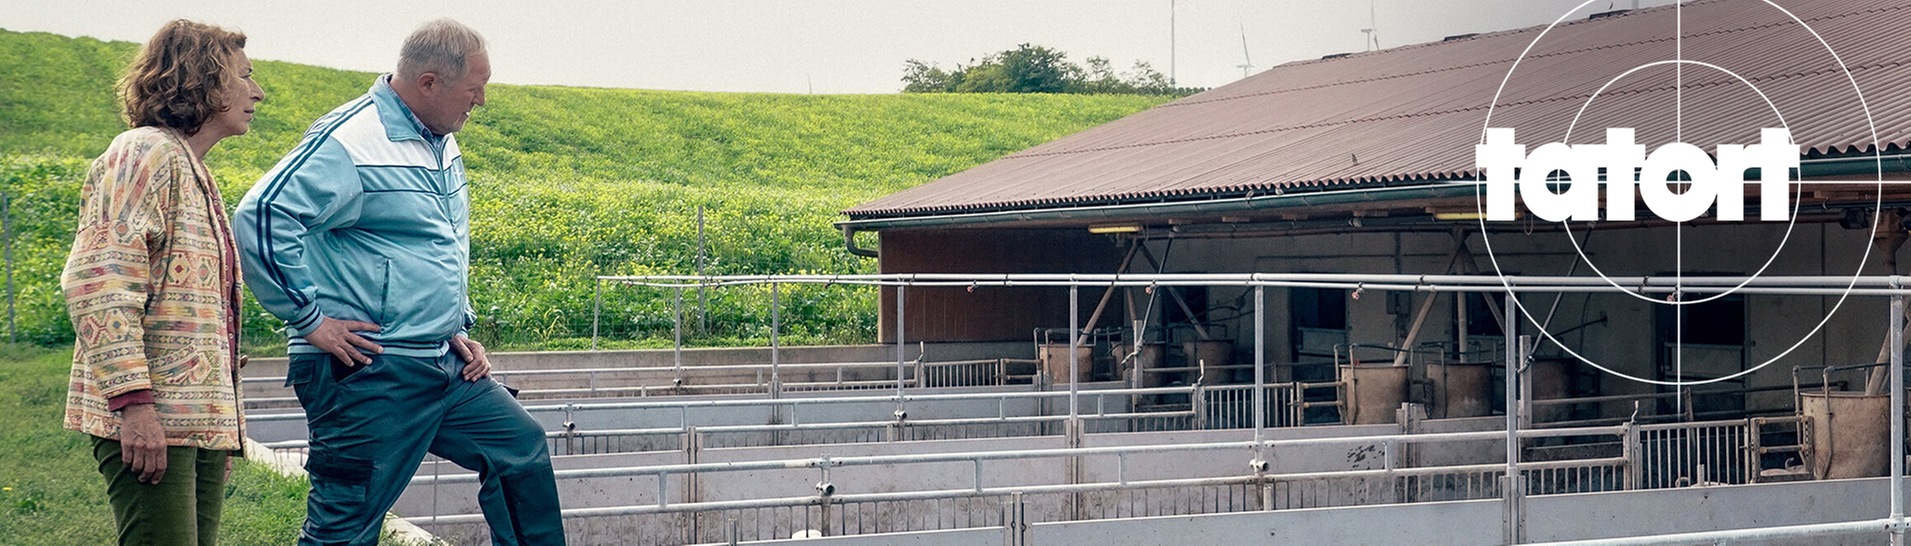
(990, 313)
(1779, 328)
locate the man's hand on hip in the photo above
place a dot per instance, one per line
(477, 366)
(339, 337)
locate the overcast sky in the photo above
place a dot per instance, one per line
(799, 46)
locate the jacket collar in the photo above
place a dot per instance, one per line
(400, 123)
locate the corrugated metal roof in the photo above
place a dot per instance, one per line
(1413, 114)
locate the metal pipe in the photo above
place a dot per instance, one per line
(1817, 285)
(1897, 419)
(597, 309)
(676, 329)
(994, 491)
(1144, 279)
(1524, 289)
(1260, 364)
(788, 427)
(991, 361)
(1736, 535)
(793, 402)
(901, 324)
(925, 458)
(1074, 322)
(1512, 382)
(849, 243)
(776, 349)
(1526, 381)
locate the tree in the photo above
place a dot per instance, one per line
(922, 77)
(1035, 69)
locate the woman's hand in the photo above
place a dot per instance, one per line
(142, 442)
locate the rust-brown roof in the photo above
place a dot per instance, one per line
(1411, 115)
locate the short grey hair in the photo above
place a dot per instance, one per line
(440, 47)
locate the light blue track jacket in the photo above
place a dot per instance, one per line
(368, 220)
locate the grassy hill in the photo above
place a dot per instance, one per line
(568, 183)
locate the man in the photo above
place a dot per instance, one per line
(359, 239)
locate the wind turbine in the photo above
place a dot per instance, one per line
(1373, 36)
(1247, 63)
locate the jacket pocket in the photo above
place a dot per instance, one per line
(341, 468)
(338, 480)
(342, 371)
(299, 368)
(180, 367)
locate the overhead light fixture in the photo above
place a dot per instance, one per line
(1114, 228)
(1464, 215)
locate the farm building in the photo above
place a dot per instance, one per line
(1365, 164)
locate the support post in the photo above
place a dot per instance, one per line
(1513, 487)
(1420, 315)
(1633, 451)
(1260, 367)
(1459, 327)
(1014, 521)
(1260, 463)
(776, 348)
(1897, 418)
(901, 349)
(1199, 330)
(597, 309)
(1095, 316)
(676, 344)
(1074, 322)
(1526, 381)
(703, 299)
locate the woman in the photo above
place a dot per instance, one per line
(153, 291)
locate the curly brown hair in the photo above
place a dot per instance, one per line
(177, 78)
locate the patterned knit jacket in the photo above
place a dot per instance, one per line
(152, 288)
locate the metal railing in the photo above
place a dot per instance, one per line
(645, 381)
(1193, 407)
(1667, 456)
(838, 512)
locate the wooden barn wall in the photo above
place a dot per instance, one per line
(991, 313)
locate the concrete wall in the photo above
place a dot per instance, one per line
(1433, 523)
(1550, 518)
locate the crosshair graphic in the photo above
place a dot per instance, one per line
(1677, 296)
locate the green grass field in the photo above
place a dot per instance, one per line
(569, 183)
(51, 492)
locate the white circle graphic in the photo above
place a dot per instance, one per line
(1791, 222)
(1876, 159)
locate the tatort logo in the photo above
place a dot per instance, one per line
(1624, 167)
